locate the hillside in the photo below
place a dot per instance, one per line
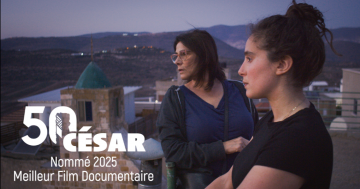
(235, 36)
(228, 39)
(347, 34)
(349, 50)
(109, 42)
(26, 73)
(34, 65)
(105, 34)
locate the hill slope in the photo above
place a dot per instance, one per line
(110, 42)
(228, 39)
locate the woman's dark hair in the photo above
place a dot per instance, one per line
(203, 45)
(297, 34)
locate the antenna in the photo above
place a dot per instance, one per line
(92, 51)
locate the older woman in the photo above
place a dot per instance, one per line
(204, 123)
(291, 147)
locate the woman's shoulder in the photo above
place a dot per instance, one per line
(307, 127)
(172, 90)
(172, 95)
(308, 118)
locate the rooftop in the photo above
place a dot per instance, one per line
(92, 78)
(319, 83)
(355, 70)
(50, 96)
(130, 89)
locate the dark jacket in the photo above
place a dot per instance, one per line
(172, 133)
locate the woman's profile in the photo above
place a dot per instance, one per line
(204, 123)
(291, 147)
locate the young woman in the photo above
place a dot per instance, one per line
(192, 120)
(291, 147)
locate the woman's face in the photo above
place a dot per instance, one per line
(257, 71)
(185, 67)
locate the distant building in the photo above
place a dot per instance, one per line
(351, 97)
(129, 103)
(161, 86)
(316, 86)
(92, 77)
(101, 106)
(51, 100)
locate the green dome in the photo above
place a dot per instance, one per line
(92, 78)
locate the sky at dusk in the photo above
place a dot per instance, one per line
(44, 18)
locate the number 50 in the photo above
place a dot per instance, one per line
(53, 129)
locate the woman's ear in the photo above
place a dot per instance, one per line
(284, 65)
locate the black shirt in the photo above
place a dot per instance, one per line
(299, 144)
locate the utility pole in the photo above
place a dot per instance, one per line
(92, 50)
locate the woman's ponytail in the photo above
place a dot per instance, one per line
(314, 17)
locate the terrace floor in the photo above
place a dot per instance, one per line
(346, 169)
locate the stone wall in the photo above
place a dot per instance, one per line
(9, 165)
(104, 120)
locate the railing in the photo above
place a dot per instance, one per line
(339, 110)
(145, 125)
(10, 132)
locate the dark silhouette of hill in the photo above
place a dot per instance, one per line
(133, 66)
(347, 34)
(332, 71)
(26, 73)
(235, 36)
(160, 40)
(33, 44)
(228, 39)
(241, 32)
(349, 50)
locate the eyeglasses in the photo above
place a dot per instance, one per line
(183, 55)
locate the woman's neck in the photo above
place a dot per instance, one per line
(212, 96)
(191, 85)
(287, 102)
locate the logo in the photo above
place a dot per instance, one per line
(134, 140)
